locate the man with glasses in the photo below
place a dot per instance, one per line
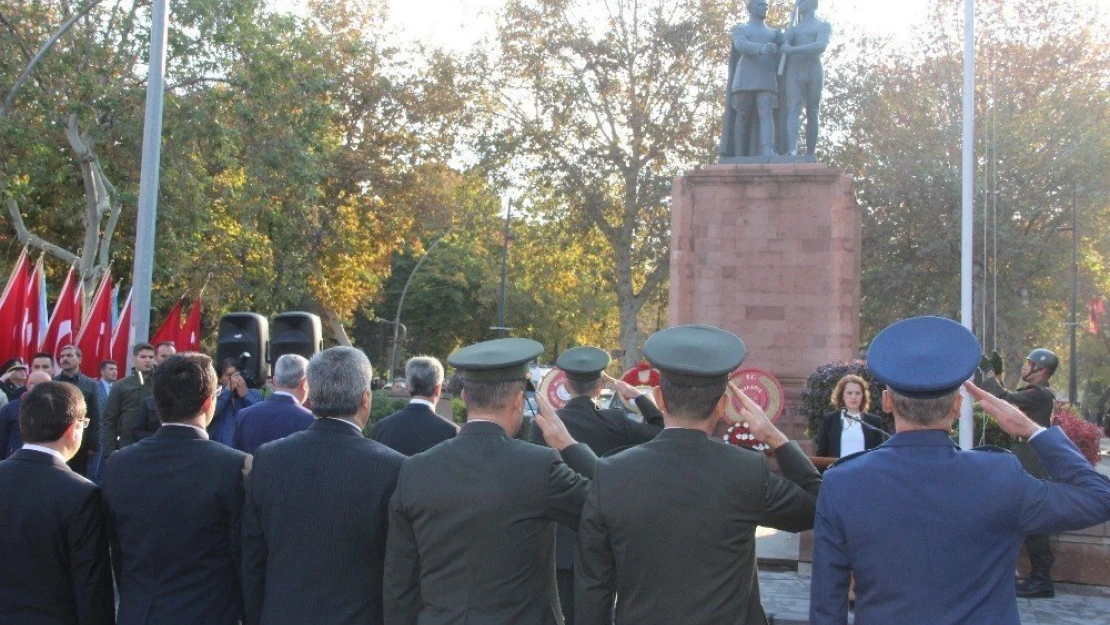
(56, 566)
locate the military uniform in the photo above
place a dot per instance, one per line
(669, 526)
(1038, 403)
(604, 432)
(471, 529)
(930, 531)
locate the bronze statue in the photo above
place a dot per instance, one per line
(749, 128)
(804, 76)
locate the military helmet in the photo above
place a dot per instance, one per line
(1044, 359)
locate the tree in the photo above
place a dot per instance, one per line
(602, 105)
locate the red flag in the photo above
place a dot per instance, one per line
(95, 337)
(12, 307)
(34, 317)
(64, 321)
(189, 338)
(121, 338)
(171, 327)
(1096, 308)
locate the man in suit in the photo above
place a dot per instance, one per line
(603, 431)
(417, 427)
(127, 396)
(280, 415)
(54, 543)
(175, 501)
(1037, 401)
(109, 371)
(931, 532)
(471, 534)
(87, 461)
(10, 430)
(669, 526)
(317, 508)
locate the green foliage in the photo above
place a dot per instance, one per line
(382, 404)
(992, 435)
(458, 410)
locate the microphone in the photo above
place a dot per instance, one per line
(865, 424)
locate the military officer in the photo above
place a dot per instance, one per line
(1036, 400)
(603, 431)
(669, 526)
(471, 530)
(931, 532)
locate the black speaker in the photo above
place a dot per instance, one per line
(242, 337)
(298, 333)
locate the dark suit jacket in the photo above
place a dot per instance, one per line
(10, 438)
(471, 530)
(828, 437)
(603, 431)
(275, 418)
(54, 545)
(902, 518)
(175, 502)
(413, 429)
(669, 526)
(314, 528)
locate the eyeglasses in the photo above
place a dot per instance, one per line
(84, 422)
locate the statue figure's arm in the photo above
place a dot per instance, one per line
(824, 32)
(748, 47)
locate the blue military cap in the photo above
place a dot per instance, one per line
(695, 355)
(584, 364)
(499, 360)
(923, 357)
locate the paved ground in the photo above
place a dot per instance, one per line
(786, 596)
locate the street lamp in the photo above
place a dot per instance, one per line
(1073, 379)
(397, 319)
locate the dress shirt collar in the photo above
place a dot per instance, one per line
(347, 421)
(203, 432)
(420, 401)
(45, 450)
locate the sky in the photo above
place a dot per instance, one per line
(458, 24)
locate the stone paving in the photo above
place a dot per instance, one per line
(786, 596)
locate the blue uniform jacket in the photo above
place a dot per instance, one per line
(932, 532)
(268, 421)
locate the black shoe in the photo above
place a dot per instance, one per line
(1035, 589)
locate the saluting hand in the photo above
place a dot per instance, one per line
(758, 421)
(622, 388)
(1012, 420)
(554, 431)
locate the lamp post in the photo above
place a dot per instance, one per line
(397, 319)
(1073, 379)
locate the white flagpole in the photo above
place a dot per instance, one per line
(967, 419)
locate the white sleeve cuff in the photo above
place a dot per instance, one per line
(1034, 434)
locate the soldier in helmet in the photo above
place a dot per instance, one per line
(1036, 400)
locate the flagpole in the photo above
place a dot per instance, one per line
(148, 173)
(967, 417)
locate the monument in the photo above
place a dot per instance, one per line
(768, 245)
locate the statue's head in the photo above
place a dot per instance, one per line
(757, 9)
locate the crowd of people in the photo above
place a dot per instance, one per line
(203, 503)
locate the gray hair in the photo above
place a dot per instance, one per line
(422, 375)
(923, 411)
(337, 379)
(289, 370)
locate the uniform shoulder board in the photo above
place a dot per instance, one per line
(997, 450)
(841, 460)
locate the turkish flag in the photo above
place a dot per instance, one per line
(171, 327)
(189, 337)
(95, 337)
(121, 338)
(61, 329)
(13, 305)
(32, 323)
(1096, 309)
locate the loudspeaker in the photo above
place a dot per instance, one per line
(296, 333)
(242, 337)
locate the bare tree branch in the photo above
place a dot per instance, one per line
(42, 53)
(95, 203)
(113, 216)
(27, 238)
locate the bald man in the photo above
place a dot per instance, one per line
(10, 439)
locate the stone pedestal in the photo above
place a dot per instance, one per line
(772, 253)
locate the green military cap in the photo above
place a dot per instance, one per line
(695, 355)
(583, 364)
(499, 360)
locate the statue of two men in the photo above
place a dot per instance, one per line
(761, 58)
